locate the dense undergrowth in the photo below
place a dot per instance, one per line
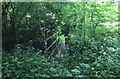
(98, 59)
(31, 31)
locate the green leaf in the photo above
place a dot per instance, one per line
(62, 38)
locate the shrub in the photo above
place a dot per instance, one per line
(30, 65)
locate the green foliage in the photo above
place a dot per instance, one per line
(62, 38)
(99, 58)
(32, 65)
(92, 41)
(42, 20)
(99, 61)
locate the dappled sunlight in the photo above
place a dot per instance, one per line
(60, 39)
